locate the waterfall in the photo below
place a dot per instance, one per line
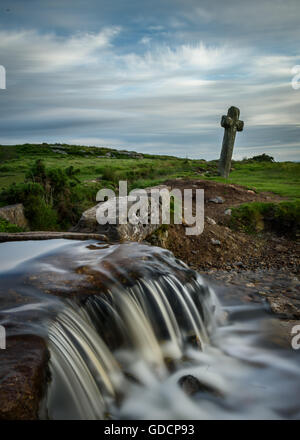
(124, 336)
(133, 333)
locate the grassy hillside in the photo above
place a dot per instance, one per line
(282, 178)
(56, 190)
(92, 164)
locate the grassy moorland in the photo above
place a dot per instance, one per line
(57, 182)
(282, 178)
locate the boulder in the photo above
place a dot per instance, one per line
(23, 377)
(14, 214)
(121, 232)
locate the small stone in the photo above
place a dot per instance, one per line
(239, 264)
(217, 200)
(228, 212)
(191, 385)
(250, 191)
(250, 285)
(215, 242)
(211, 221)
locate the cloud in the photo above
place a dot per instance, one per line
(152, 86)
(33, 52)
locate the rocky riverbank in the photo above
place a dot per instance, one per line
(262, 267)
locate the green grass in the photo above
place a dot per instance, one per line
(283, 217)
(6, 226)
(16, 160)
(282, 178)
(94, 173)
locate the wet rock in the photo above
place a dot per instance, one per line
(217, 200)
(194, 341)
(14, 214)
(48, 235)
(23, 377)
(191, 385)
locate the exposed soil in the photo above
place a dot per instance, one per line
(236, 249)
(262, 267)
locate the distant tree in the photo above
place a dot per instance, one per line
(263, 158)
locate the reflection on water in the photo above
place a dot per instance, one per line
(126, 322)
(14, 253)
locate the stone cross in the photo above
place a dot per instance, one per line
(232, 124)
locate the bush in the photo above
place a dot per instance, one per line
(6, 226)
(263, 158)
(38, 212)
(41, 216)
(283, 217)
(50, 197)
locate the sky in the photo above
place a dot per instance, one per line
(152, 76)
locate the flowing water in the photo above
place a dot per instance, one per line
(125, 323)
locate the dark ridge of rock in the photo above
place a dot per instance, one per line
(23, 377)
(48, 235)
(14, 214)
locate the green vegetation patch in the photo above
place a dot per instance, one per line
(283, 218)
(6, 226)
(281, 178)
(52, 198)
(56, 191)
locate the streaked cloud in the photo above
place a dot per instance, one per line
(158, 84)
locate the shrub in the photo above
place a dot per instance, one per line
(50, 197)
(263, 158)
(283, 217)
(6, 226)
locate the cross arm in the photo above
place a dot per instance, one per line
(226, 121)
(239, 125)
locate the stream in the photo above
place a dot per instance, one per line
(127, 324)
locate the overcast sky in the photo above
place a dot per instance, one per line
(151, 75)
